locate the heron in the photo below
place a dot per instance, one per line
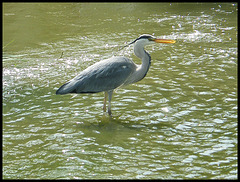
(112, 73)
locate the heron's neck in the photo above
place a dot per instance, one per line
(146, 62)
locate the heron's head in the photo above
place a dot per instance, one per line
(149, 39)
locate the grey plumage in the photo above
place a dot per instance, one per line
(102, 76)
(112, 73)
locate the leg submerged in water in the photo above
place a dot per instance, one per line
(109, 102)
(105, 101)
(107, 95)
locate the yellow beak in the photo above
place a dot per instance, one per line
(164, 41)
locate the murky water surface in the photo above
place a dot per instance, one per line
(180, 122)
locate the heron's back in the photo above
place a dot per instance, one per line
(102, 76)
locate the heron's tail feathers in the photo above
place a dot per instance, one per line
(66, 88)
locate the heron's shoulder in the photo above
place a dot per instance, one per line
(117, 59)
(112, 62)
(120, 60)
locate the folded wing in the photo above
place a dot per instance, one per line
(102, 76)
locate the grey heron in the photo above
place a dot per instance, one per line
(109, 74)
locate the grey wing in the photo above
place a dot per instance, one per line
(102, 76)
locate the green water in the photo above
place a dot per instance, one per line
(179, 122)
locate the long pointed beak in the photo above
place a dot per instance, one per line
(166, 41)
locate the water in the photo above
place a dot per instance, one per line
(179, 122)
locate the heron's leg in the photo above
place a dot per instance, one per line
(105, 100)
(109, 102)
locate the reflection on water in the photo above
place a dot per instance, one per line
(179, 122)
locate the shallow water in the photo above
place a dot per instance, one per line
(179, 122)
